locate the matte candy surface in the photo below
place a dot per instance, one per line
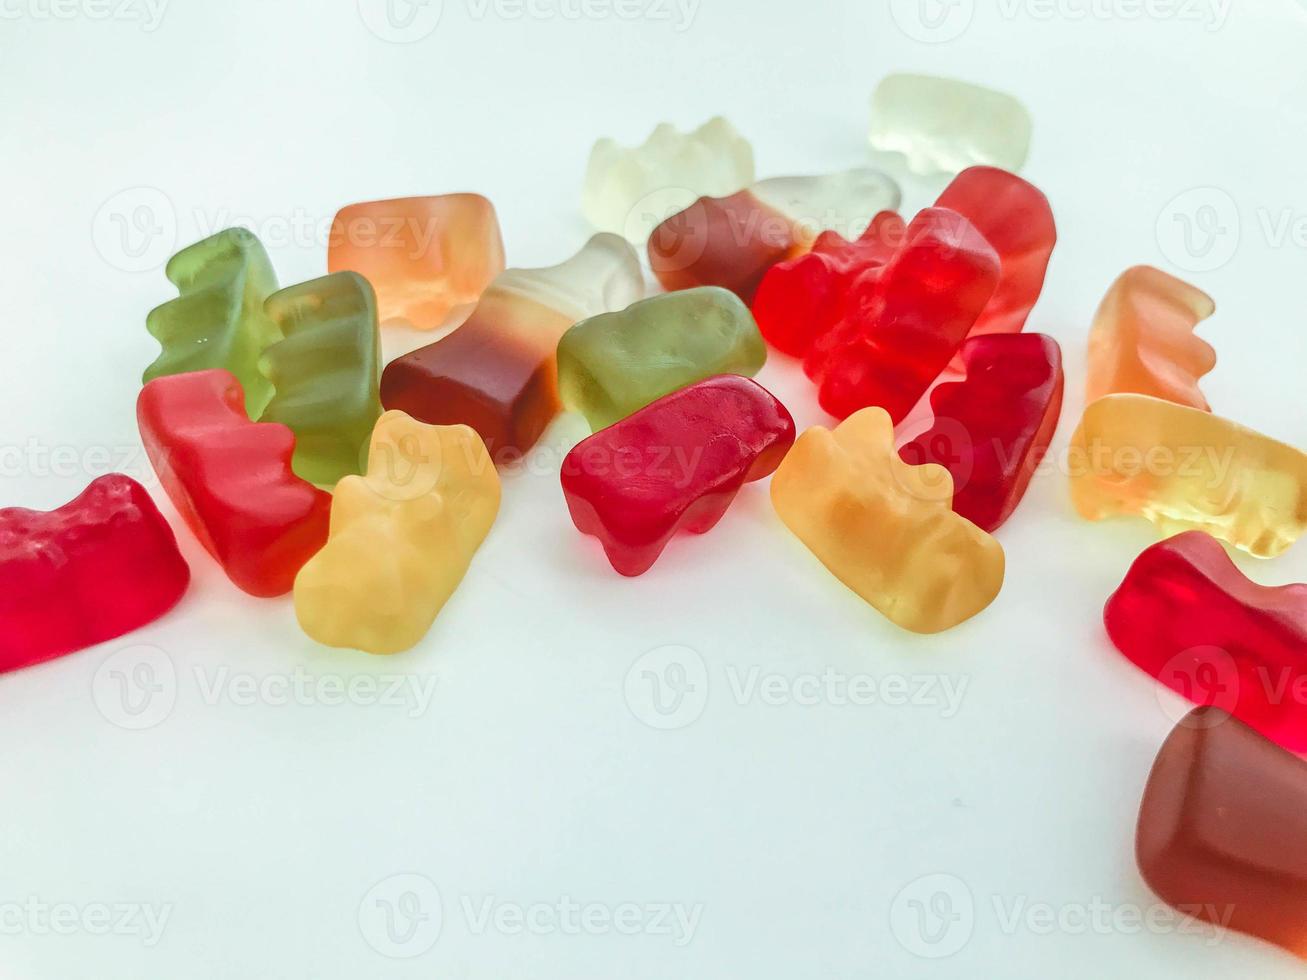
(613, 364)
(101, 566)
(1189, 617)
(326, 373)
(218, 321)
(675, 465)
(992, 429)
(497, 372)
(944, 126)
(800, 300)
(1185, 469)
(884, 528)
(425, 256)
(899, 331)
(1143, 339)
(1015, 217)
(732, 241)
(402, 537)
(629, 190)
(1222, 831)
(231, 479)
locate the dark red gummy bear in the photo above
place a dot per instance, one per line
(800, 299)
(103, 565)
(897, 334)
(992, 429)
(676, 464)
(231, 479)
(1222, 831)
(1189, 617)
(1014, 216)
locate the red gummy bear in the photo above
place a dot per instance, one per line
(899, 331)
(1014, 216)
(231, 479)
(103, 565)
(992, 429)
(721, 241)
(800, 300)
(1189, 617)
(675, 464)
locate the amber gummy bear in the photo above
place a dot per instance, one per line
(1222, 831)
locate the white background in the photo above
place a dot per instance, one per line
(270, 831)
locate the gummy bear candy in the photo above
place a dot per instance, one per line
(231, 480)
(1186, 615)
(326, 373)
(425, 256)
(944, 126)
(218, 321)
(799, 300)
(900, 328)
(1015, 217)
(402, 537)
(630, 190)
(992, 429)
(1143, 339)
(1186, 469)
(884, 528)
(1222, 832)
(497, 372)
(612, 364)
(101, 566)
(676, 464)
(732, 241)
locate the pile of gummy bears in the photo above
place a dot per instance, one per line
(305, 465)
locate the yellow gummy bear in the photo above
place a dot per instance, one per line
(885, 528)
(1186, 469)
(402, 537)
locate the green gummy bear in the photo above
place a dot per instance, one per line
(326, 373)
(614, 364)
(217, 321)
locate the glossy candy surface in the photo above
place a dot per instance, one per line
(992, 428)
(425, 256)
(1185, 469)
(899, 330)
(1222, 832)
(1143, 341)
(231, 479)
(402, 537)
(218, 321)
(1015, 217)
(1188, 616)
(732, 241)
(943, 126)
(326, 373)
(676, 464)
(98, 567)
(800, 300)
(885, 528)
(613, 364)
(629, 190)
(497, 372)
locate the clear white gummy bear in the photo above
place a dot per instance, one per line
(940, 125)
(631, 190)
(844, 202)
